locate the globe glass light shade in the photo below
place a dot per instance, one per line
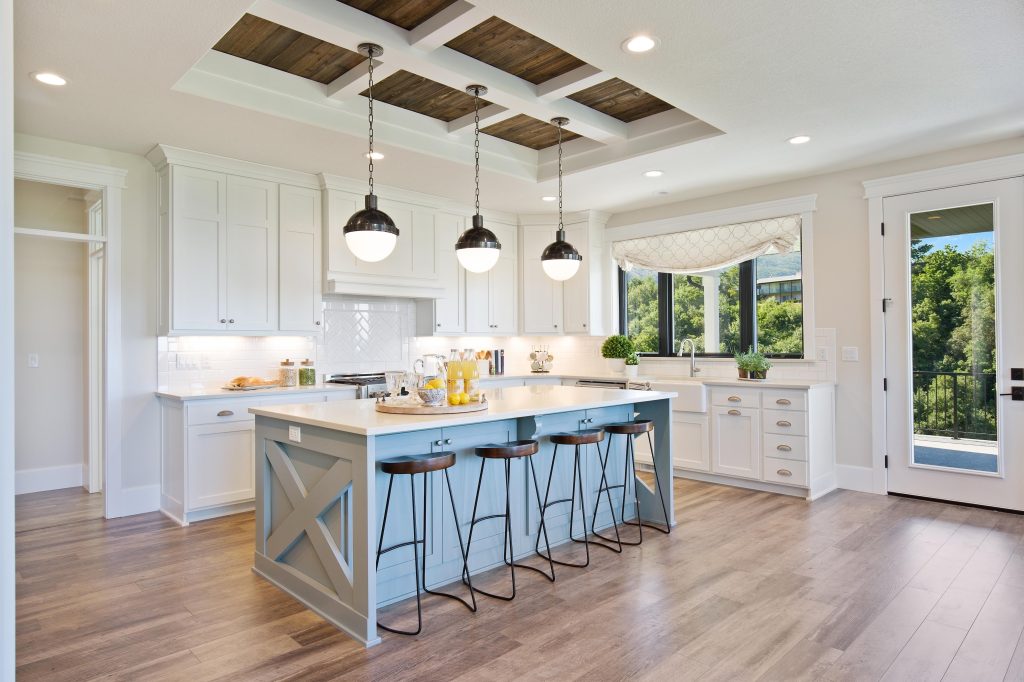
(478, 260)
(560, 270)
(478, 248)
(371, 246)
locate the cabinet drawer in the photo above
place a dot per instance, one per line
(785, 471)
(786, 447)
(785, 422)
(220, 411)
(736, 397)
(786, 400)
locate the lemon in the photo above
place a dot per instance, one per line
(464, 398)
(454, 399)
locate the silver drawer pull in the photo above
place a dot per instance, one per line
(735, 399)
(735, 413)
(783, 422)
(784, 472)
(225, 413)
(784, 448)
(783, 401)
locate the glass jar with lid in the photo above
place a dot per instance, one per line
(288, 374)
(307, 373)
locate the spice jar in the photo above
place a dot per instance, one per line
(288, 374)
(307, 373)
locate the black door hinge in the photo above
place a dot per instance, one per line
(887, 461)
(883, 229)
(885, 384)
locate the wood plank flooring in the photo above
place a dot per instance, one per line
(750, 586)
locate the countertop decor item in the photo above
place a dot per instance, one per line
(478, 248)
(244, 383)
(408, 405)
(752, 365)
(541, 360)
(616, 349)
(560, 259)
(371, 233)
(307, 373)
(432, 397)
(289, 375)
(632, 366)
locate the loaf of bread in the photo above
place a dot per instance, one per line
(249, 382)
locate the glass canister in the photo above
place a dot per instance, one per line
(288, 374)
(307, 373)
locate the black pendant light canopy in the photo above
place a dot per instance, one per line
(477, 248)
(371, 233)
(560, 259)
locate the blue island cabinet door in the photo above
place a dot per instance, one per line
(615, 467)
(556, 521)
(486, 550)
(395, 577)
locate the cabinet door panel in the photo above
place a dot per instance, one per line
(576, 290)
(502, 304)
(251, 254)
(220, 464)
(692, 448)
(300, 266)
(542, 296)
(736, 441)
(478, 302)
(449, 312)
(197, 250)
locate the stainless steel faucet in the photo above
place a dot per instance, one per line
(693, 352)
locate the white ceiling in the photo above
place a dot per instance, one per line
(869, 81)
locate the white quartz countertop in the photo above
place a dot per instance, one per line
(656, 379)
(360, 417)
(208, 392)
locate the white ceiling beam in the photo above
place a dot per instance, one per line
(450, 22)
(580, 78)
(354, 81)
(489, 115)
(345, 26)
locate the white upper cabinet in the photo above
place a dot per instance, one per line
(250, 254)
(491, 295)
(542, 296)
(446, 314)
(193, 237)
(299, 287)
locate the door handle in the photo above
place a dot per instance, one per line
(784, 472)
(225, 413)
(735, 413)
(784, 448)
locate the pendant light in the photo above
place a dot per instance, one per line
(477, 248)
(560, 259)
(371, 233)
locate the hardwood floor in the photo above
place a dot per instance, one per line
(750, 586)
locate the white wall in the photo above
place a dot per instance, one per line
(840, 268)
(50, 321)
(140, 413)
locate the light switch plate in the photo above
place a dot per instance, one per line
(33, 359)
(851, 354)
(295, 434)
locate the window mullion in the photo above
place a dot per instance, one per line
(665, 314)
(748, 307)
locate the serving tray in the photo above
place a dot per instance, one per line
(411, 408)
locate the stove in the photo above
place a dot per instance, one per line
(367, 385)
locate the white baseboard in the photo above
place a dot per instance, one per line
(136, 500)
(47, 478)
(861, 479)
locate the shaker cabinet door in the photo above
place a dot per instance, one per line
(736, 441)
(300, 266)
(250, 265)
(197, 250)
(220, 464)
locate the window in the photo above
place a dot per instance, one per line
(755, 303)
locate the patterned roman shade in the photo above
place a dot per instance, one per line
(713, 248)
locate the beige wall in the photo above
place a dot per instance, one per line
(841, 266)
(140, 412)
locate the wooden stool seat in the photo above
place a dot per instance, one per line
(418, 464)
(511, 450)
(584, 437)
(631, 428)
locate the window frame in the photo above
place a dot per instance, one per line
(748, 315)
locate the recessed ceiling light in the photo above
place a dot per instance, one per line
(640, 43)
(799, 139)
(376, 156)
(653, 173)
(548, 198)
(49, 78)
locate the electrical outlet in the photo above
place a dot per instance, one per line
(295, 434)
(33, 359)
(822, 355)
(851, 354)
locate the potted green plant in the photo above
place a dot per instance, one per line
(616, 349)
(632, 366)
(753, 365)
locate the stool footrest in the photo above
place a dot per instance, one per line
(400, 546)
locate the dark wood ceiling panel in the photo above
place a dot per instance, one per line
(285, 49)
(515, 51)
(424, 96)
(407, 14)
(618, 98)
(528, 131)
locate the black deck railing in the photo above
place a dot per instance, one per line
(955, 404)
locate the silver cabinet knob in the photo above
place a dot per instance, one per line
(735, 413)
(231, 321)
(584, 325)
(225, 413)
(556, 326)
(784, 472)
(317, 323)
(223, 321)
(438, 325)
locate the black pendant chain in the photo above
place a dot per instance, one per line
(476, 148)
(560, 227)
(369, 93)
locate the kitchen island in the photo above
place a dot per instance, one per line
(320, 494)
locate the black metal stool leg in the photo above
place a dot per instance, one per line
(606, 489)
(416, 556)
(461, 547)
(472, 522)
(541, 529)
(630, 465)
(577, 475)
(657, 484)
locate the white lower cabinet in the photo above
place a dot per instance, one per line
(221, 464)
(736, 438)
(691, 441)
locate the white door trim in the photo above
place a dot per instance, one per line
(875, 191)
(7, 566)
(110, 183)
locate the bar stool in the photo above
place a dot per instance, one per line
(507, 452)
(579, 439)
(628, 429)
(412, 465)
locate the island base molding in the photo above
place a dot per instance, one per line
(820, 489)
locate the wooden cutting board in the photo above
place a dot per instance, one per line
(399, 408)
